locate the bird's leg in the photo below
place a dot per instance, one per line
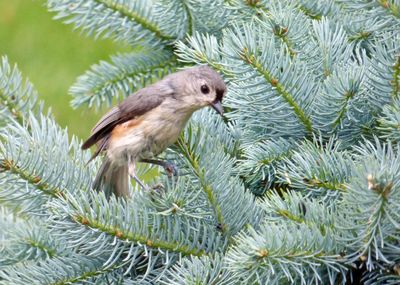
(169, 167)
(132, 173)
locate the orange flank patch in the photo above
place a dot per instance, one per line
(123, 129)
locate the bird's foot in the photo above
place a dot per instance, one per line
(141, 184)
(158, 188)
(170, 168)
(132, 173)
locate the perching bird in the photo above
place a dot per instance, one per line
(147, 122)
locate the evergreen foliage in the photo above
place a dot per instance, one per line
(298, 184)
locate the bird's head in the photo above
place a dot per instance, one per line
(199, 87)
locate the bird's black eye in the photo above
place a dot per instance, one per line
(204, 89)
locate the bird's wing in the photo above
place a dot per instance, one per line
(133, 106)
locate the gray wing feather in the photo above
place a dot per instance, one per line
(109, 117)
(133, 106)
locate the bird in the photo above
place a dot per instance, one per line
(146, 122)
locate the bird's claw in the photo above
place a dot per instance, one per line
(158, 188)
(171, 169)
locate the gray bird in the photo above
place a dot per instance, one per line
(147, 122)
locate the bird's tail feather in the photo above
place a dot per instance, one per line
(112, 179)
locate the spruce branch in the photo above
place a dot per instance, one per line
(380, 277)
(315, 15)
(181, 198)
(217, 127)
(189, 155)
(342, 100)
(32, 179)
(316, 10)
(391, 7)
(249, 9)
(259, 163)
(287, 24)
(50, 252)
(26, 154)
(126, 224)
(202, 49)
(190, 20)
(121, 20)
(17, 98)
(208, 16)
(182, 18)
(86, 270)
(383, 73)
(20, 196)
(126, 9)
(252, 60)
(365, 30)
(266, 80)
(142, 241)
(135, 238)
(328, 46)
(389, 122)
(213, 171)
(255, 4)
(30, 241)
(284, 253)
(317, 169)
(203, 270)
(372, 206)
(177, 17)
(293, 207)
(396, 79)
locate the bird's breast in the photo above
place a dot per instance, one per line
(163, 128)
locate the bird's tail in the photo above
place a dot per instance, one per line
(112, 179)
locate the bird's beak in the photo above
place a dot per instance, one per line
(217, 106)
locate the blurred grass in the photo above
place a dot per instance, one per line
(52, 56)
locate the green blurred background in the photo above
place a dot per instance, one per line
(52, 56)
